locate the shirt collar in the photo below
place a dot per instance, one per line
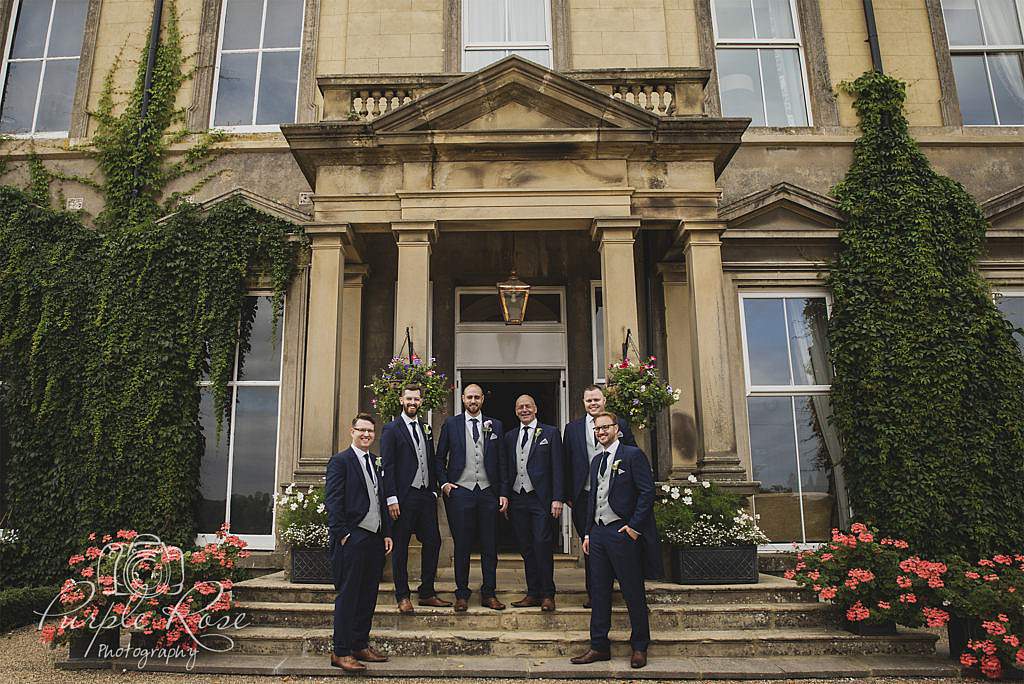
(531, 425)
(611, 449)
(359, 452)
(408, 420)
(479, 416)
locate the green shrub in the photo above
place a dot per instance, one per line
(19, 607)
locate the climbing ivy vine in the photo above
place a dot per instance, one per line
(929, 389)
(105, 330)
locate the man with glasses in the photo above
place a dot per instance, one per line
(621, 540)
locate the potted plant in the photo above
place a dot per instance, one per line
(302, 519)
(387, 384)
(636, 393)
(710, 538)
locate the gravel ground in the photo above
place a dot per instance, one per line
(24, 659)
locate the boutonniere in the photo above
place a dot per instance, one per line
(537, 432)
(487, 426)
(426, 428)
(378, 462)
(615, 467)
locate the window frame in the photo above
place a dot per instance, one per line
(257, 542)
(984, 51)
(758, 44)
(789, 391)
(465, 46)
(600, 376)
(1009, 291)
(254, 127)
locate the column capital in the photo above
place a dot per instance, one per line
(672, 271)
(414, 232)
(701, 232)
(356, 274)
(614, 228)
(326, 232)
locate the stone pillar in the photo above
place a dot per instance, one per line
(321, 395)
(412, 305)
(716, 425)
(615, 236)
(679, 366)
(351, 333)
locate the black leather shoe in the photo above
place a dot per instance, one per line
(590, 656)
(638, 660)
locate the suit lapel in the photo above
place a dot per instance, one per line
(584, 445)
(404, 427)
(534, 441)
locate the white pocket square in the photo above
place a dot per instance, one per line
(543, 442)
(494, 436)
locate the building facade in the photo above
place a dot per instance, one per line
(656, 168)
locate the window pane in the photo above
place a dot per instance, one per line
(774, 20)
(963, 27)
(478, 59)
(486, 21)
(1002, 25)
(814, 440)
(279, 76)
(808, 340)
(773, 459)
(528, 21)
(972, 89)
(58, 95)
(767, 353)
(213, 471)
(236, 87)
(20, 96)
(1013, 308)
(68, 28)
(734, 19)
(480, 307)
(284, 24)
(739, 81)
(542, 57)
(242, 24)
(600, 371)
(783, 88)
(262, 361)
(30, 30)
(254, 460)
(1008, 86)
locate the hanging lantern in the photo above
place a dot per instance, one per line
(513, 294)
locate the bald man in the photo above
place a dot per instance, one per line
(536, 470)
(469, 458)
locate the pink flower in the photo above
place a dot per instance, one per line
(935, 617)
(908, 598)
(827, 594)
(857, 612)
(858, 528)
(789, 574)
(968, 660)
(884, 605)
(903, 582)
(994, 628)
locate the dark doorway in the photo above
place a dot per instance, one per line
(501, 389)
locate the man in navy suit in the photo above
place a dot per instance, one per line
(581, 447)
(621, 539)
(536, 470)
(359, 533)
(410, 484)
(469, 472)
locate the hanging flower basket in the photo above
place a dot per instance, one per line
(636, 393)
(388, 382)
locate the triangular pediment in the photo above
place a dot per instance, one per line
(514, 94)
(1005, 211)
(256, 201)
(783, 206)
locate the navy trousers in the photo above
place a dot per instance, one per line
(472, 518)
(613, 555)
(535, 537)
(357, 566)
(579, 522)
(419, 517)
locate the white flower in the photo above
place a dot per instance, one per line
(688, 500)
(300, 496)
(705, 484)
(310, 490)
(665, 488)
(692, 478)
(289, 488)
(675, 494)
(688, 492)
(321, 508)
(294, 506)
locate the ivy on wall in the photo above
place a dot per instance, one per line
(106, 330)
(929, 389)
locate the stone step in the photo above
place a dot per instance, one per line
(859, 668)
(664, 617)
(570, 586)
(506, 561)
(686, 643)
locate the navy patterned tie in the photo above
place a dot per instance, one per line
(476, 430)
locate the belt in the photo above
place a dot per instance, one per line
(613, 523)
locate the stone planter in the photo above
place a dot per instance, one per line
(864, 629)
(310, 566)
(714, 564)
(85, 648)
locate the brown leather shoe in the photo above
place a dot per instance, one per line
(347, 663)
(435, 602)
(590, 656)
(370, 655)
(492, 602)
(526, 602)
(405, 606)
(548, 604)
(461, 605)
(638, 660)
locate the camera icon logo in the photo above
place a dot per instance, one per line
(146, 567)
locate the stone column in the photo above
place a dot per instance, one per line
(679, 366)
(716, 425)
(351, 332)
(323, 374)
(412, 306)
(616, 236)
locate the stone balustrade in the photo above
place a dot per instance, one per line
(677, 91)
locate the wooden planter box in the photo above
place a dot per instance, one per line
(311, 566)
(84, 648)
(864, 629)
(713, 564)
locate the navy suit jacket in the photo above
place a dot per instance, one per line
(400, 461)
(451, 452)
(577, 454)
(545, 464)
(346, 497)
(631, 497)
